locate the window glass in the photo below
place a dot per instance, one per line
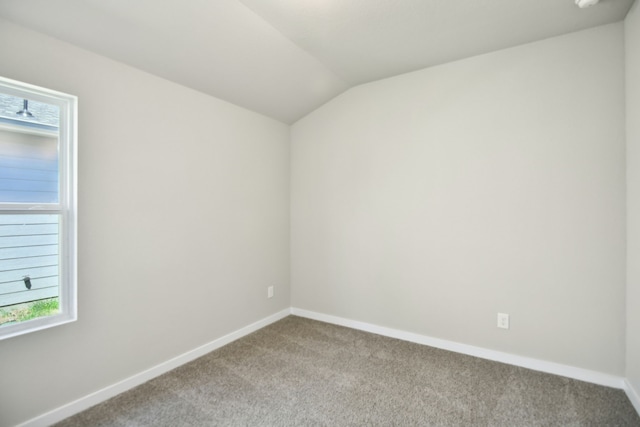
(28, 151)
(28, 267)
(37, 208)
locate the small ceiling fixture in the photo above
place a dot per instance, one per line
(586, 3)
(25, 110)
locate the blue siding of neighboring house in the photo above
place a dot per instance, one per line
(28, 243)
(28, 247)
(28, 179)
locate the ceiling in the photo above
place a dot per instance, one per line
(284, 58)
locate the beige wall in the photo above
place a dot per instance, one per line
(430, 201)
(632, 44)
(183, 223)
(426, 202)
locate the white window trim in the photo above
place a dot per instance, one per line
(66, 206)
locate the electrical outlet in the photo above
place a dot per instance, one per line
(270, 292)
(503, 320)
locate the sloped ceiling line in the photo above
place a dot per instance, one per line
(285, 58)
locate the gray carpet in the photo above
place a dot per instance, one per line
(299, 372)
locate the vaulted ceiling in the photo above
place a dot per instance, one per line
(284, 58)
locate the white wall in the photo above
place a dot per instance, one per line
(183, 204)
(430, 201)
(426, 202)
(632, 46)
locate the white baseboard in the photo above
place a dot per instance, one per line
(633, 395)
(94, 398)
(498, 356)
(99, 396)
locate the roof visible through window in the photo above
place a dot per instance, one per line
(43, 114)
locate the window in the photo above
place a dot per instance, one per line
(38, 218)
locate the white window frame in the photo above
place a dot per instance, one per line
(66, 207)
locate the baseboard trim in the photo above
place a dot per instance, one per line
(633, 395)
(108, 392)
(498, 356)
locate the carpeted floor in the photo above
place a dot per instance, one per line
(299, 372)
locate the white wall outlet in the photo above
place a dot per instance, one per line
(503, 320)
(270, 292)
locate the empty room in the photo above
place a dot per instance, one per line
(319, 212)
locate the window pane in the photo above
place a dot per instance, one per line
(29, 256)
(28, 151)
(38, 222)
